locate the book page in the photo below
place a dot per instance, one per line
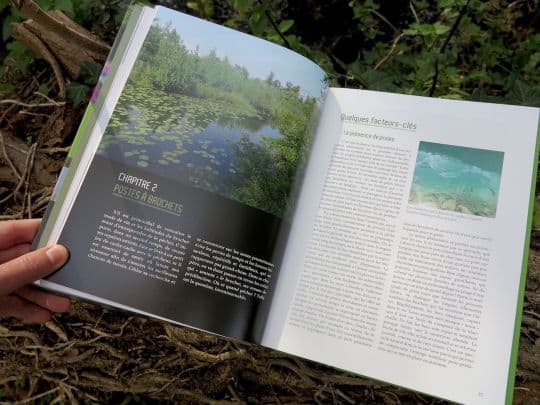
(182, 204)
(408, 267)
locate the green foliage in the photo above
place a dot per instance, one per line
(20, 54)
(398, 46)
(78, 91)
(166, 64)
(452, 49)
(90, 72)
(101, 16)
(65, 5)
(264, 19)
(204, 7)
(17, 58)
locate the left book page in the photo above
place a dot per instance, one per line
(177, 201)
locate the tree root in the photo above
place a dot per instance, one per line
(33, 42)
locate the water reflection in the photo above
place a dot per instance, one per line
(185, 139)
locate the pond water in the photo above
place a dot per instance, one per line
(446, 182)
(195, 141)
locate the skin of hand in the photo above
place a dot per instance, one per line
(19, 267)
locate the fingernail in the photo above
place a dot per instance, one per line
(57, 254)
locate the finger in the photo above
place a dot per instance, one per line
(23, 310)
(16, 232)
(52, 302)
(31, 267)
(14, 252)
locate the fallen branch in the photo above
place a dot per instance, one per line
(31, 10)
(24, 35)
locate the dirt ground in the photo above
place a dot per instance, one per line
(94, 354)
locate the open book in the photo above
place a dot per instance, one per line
(217, 182)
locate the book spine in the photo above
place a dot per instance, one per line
(521, 293)
(50, 206)
(49, 217)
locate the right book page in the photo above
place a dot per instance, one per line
(408, 245)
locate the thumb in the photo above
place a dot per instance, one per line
(31, 267)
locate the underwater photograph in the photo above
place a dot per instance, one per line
(232, 117)
(456, 178)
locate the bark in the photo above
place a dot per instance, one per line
(57, 39)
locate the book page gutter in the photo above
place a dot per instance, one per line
(145, 21)
(406, 254)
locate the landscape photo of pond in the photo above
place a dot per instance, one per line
(195, 115)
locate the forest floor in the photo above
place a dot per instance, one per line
(95, 354)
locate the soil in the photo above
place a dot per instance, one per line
(95, 354)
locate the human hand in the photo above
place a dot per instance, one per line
(19, 267)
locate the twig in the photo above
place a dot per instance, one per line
(27, 198)
(26, 105)
(40, 203)
(50, 100)
(29, 204)
(110, 335)
(15, 148)
(25, 177)
(444, 45)
(208, 357)
(8, 380)
(57, 330)
(274, 25)
(233, 393)
(51, 151)
(10, 217)
(32, 382)
(343, 66)
(387, 56)
(6, 198)
(345, 397)
(28, 335)
(32, 399)
(411, 6)
(392, 394)
(295, 369)
(532, 313)
(384, 19)
(23, 112)
(68, 389)
(8, 160)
